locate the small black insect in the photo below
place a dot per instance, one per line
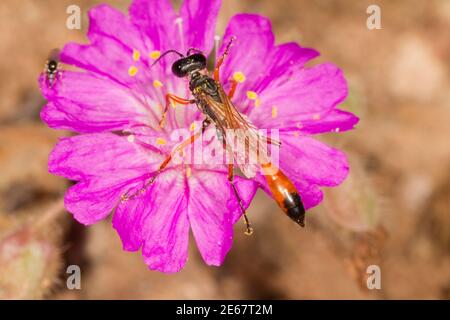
(51, 71)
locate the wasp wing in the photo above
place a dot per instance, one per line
(244, 144)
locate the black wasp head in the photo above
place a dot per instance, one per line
(52, 65)
(194, 62)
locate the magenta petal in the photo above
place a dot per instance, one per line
(91, 201)
(129, 218)
(311, 93)
(106, 57)
(213, 210)
(165, 230)
(336, 120)
(305, 158)
(106, 21)
(113, 40)
(85, 102)
(199, 21)
(56, 119)
(157, 19)
(255, 55)
(282, 63)
(253, 44)
(100, 154)
(246, 189)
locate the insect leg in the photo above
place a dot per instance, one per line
(234, 84)
(273, 142)
(249, 229)
(174, 98)
(164, 164)
(221, 58)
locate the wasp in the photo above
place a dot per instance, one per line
(51, 70)
(216, 105)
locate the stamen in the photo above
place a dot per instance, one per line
(239, 77)
(136, 55)
(179, 22)
(132, 71)
(316, 116)
(155, 54)
(130, 138)
(192, 127)
(216, 45)
(274, 112)
(161, 141)
(157, 84)
(188, 172)
(257, 102)
(248, 227)
(252, 95)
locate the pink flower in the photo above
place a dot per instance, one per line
(115, 103)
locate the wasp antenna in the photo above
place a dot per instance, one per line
(166, 53)
(193, 49)
(229, 44)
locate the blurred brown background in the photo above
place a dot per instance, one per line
(393, 211)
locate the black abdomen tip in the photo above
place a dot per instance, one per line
(295, 209)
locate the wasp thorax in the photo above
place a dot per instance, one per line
(195, 62)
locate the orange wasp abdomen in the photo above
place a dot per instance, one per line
(285, 193)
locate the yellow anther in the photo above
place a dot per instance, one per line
(274, 112)
(155, 54)
(252, 95)
(192, 127)
(161, 141)
(188, 172)
(132, 71)
(157, 84)
(239, 76)
(257, 102)
(316, 116)
(136, 55)
(130, 138)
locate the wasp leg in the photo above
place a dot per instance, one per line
(232, 91)
(174, 98)
(273, 142)
(164, 164)
(249, 229)
(220, 60)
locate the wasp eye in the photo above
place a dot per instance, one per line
(199, 59)
(178, 68)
